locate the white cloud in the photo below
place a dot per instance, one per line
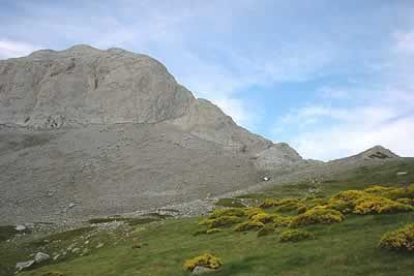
(11, 48)
(330, 132)
(405, 42)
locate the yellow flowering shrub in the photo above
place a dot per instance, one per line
(252, 211)
(205, 260)
(263, 217)
(249, 225)
(301, 209)
(406, 192)
(282, 221)
(294, 235)
(317, 215)
(378, 190)
(379, 205)
(401, 239)
(406, 201)
(345, 201)
(223, 221)
(363, 202)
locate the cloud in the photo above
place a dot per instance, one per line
(329, 132)
(404, 42)
(12, 49)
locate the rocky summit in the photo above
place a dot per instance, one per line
(89, 132)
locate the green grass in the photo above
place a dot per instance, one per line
(349, 248)
(7, 232)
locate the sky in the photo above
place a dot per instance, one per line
(331, 78)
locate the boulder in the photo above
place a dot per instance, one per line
(24, 265)
(20, 228)
(202, 270)
(41, 257)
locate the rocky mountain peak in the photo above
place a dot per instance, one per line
(378, 152)
(82, 85)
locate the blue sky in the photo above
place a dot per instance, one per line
(331, 78)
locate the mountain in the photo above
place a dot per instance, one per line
(96, 132)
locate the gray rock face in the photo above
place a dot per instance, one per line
(83, 85)
(277, 155)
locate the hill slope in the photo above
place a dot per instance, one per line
(110, 131)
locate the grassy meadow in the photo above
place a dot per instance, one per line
(159, 248)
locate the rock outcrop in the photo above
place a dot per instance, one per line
(83, 85)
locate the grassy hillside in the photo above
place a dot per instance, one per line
(159, 248)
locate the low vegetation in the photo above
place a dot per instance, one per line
(333, 231)
(317, 215)
(7, 232)
(294, 235)
(205, 260)
(400, 239)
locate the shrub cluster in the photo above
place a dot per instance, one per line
(367, 202)
(238, 212)
(249, 225)
(294, 235)
(401, 239)
(378, 190)
(284, 205)
(406, 201)
(264, 217)
(222, 221)
(379, 205)
(407, 192)
(317, 215)
(205, 260)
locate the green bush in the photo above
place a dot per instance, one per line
(317, 215)
(401, 239)
(379, 205)
(363, 202)
(249, 225)
(264, 217)
(294, 235)
(222, 221)
(406, 201)
(282, 221)
(205, 260)
(407, 192)
(345, 201)
(377, 190)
